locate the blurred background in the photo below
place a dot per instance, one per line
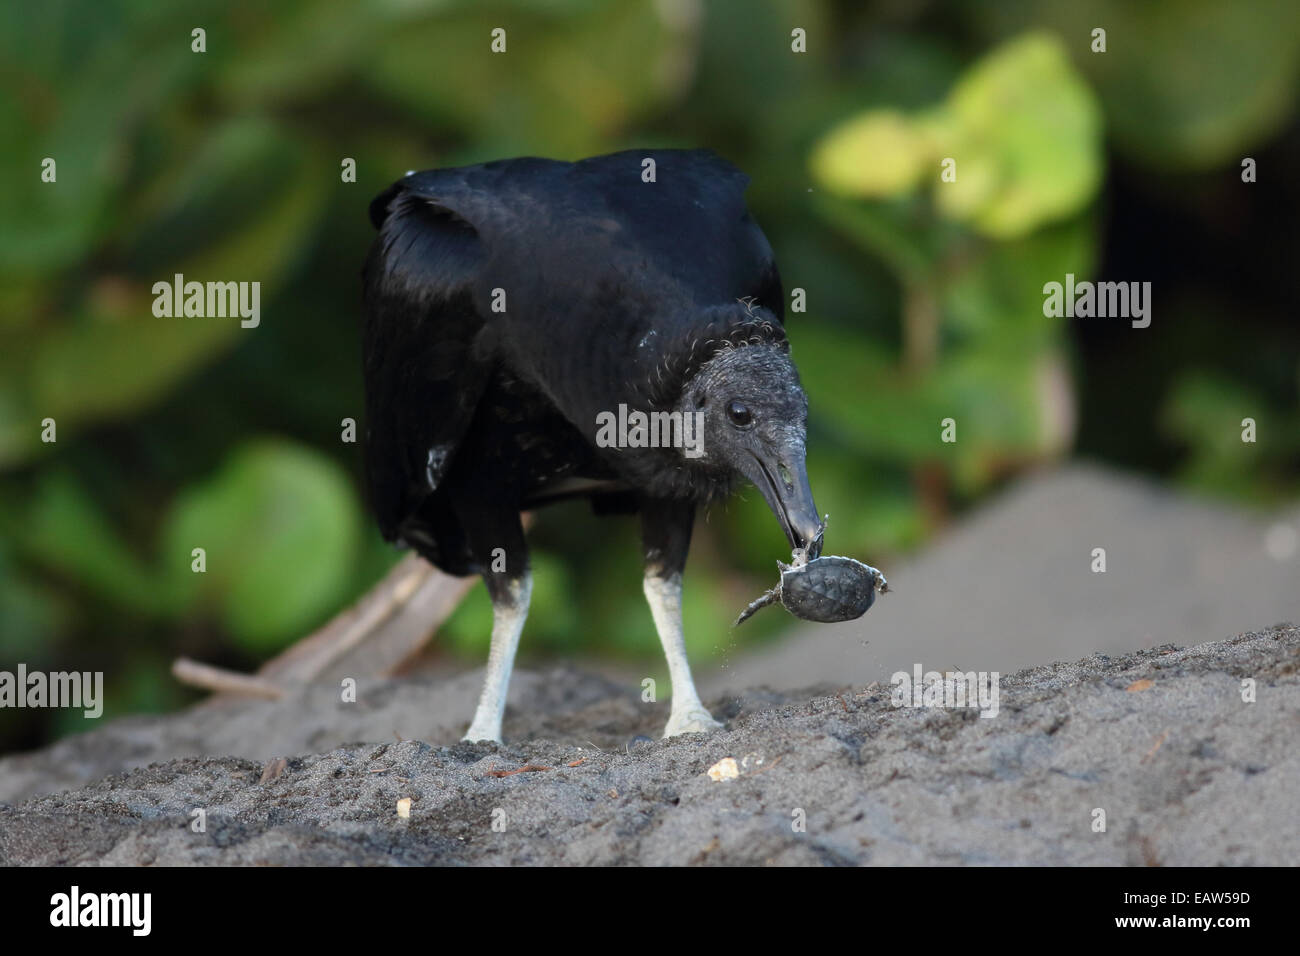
(924, 299)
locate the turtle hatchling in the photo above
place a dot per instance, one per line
(827, 589)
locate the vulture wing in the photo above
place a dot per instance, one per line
(422, 379)
(597, 284)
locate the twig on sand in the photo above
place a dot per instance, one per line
(223, 681)
(526, 768)
(769, 766)
(1154, 747)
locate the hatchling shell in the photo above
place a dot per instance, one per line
(829, 589)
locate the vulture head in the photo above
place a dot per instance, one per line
(755, 416)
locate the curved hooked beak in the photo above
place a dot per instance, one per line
(783, 480)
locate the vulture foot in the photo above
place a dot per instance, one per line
(696, 721)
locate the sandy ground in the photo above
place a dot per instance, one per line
(1185, 770)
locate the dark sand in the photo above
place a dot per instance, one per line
(1186, 772)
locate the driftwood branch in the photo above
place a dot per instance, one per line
(218, 679)
(375, 637)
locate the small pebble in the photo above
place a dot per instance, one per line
(724, 769)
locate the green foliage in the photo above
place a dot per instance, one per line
(1203, 411)
(1022, 134)
(1187, 84)
(1020, 127)
(64, 530)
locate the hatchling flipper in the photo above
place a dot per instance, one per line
(768, 597)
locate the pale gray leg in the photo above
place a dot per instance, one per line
(688, 714)
(509, 611)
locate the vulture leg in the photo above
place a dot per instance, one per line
(666, 535)
(499, 549)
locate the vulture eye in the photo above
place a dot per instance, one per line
(739, 414)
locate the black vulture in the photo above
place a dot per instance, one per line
(537, 330)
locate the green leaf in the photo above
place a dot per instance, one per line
(878, 153)
(1187, 85)
(88, 367)
(591, 69)
(997, 294)
(1021, 128)
(65, 531)
(280, 528)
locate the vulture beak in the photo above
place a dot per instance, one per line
(783, 480)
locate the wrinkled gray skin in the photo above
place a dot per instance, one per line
(768, 448)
